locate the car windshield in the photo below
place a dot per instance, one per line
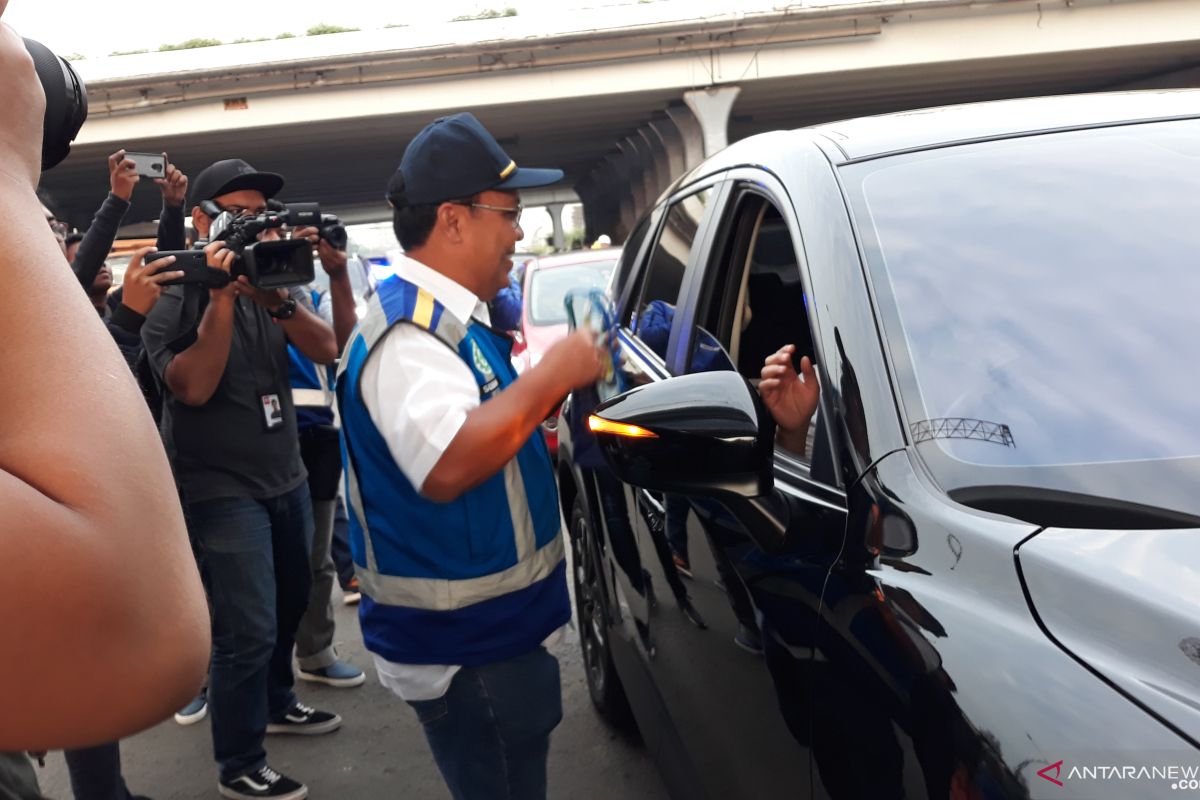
(548, 288)
(1045, 293)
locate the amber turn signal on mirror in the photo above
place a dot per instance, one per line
(598, 425)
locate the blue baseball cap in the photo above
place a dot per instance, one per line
(454, 157)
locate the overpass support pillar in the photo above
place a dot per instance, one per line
(691, 137)
(712, 108)
(560, 238)
(672, 142)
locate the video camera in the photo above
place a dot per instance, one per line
(269, 265)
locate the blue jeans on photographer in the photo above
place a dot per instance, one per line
(490, 732)
(256, 557)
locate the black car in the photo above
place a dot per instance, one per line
(983, 581)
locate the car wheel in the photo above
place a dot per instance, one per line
(591, 608)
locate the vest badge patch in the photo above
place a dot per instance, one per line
(481, 364)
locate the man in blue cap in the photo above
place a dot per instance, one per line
(455, 523)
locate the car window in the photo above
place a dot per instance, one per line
(625, 265)
(753, 301)
(665, 271)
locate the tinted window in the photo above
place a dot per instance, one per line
(664, 273)
(548, 288)
(1046, 292)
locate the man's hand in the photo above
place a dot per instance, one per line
(173, 186)
(270, 299)
(333, 261)
(308, 232)
(577, 360)
(143, 281)
(24, 106)
(218, 256)
(791, 400)
(122, 175)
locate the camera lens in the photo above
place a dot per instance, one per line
(66, 102)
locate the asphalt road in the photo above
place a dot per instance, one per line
(380, 751)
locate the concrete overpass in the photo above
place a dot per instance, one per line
(624, 105)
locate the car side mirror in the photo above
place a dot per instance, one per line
(705, 434)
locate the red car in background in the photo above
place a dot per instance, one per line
(543, 314)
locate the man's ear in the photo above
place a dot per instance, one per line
(450, 219)
(200, 223)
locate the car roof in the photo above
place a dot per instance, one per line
(871, 137)
(577, 257)
(865, 138)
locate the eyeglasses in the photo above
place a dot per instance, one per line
(513, 214)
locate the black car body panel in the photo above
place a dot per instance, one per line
(911, 641)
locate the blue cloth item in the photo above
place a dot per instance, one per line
(506, 307)
(256, 557)
(303, 373)
(473, 581)
(490, 732)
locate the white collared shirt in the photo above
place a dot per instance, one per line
(416, 389)
(418, 392)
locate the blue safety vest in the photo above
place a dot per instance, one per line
(310, 382)
(473, 581)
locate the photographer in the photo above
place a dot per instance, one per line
(237, 463)
(89, 257)
(98, 656)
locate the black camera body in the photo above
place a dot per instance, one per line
(270, 264)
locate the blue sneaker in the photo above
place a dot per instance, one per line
(339, 674)
(194, 711)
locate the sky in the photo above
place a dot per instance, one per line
(95, 28)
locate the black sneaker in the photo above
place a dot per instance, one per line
(304, 720)
(263, 782)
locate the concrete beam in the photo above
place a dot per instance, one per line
(712, 108)
(658, 156)
(556, 212)
(690, 135)
(672, 141)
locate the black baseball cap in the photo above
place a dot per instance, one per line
(455, 157)
(232, 175)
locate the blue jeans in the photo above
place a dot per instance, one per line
(256, 555)
(490, 732)
(96, 773)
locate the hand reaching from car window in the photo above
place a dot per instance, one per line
(791, 397)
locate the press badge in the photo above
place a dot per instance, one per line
(272, 412)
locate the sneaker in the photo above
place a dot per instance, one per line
(339, 674)
(681, 565)
(351, 594)
(748, 639)
(305, 721)
(194, 711)
(263, 782)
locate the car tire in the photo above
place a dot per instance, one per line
(591, 609)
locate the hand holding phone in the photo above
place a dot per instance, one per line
(148, 165)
